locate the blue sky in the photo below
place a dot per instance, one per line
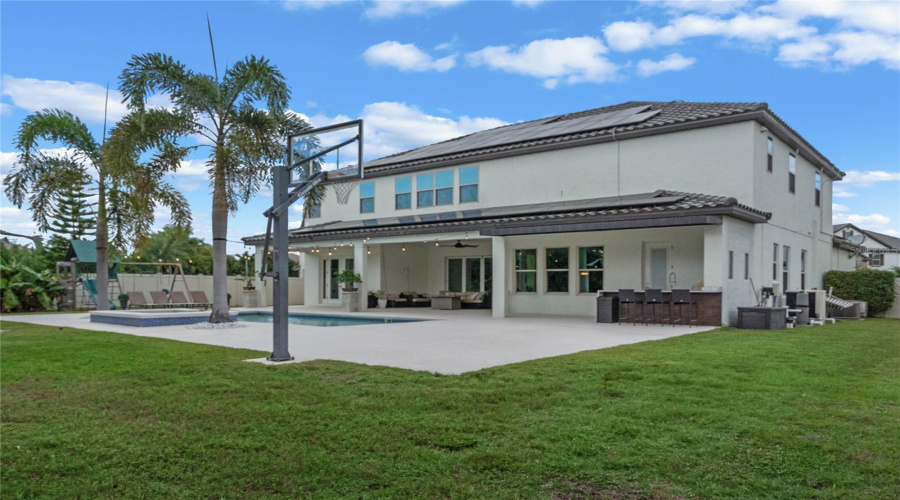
(420, 72)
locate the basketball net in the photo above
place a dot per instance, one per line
(343, 189)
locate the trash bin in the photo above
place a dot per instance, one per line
(607, 309)
(802, 303)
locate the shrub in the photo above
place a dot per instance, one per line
(874, 287)
(24, 289)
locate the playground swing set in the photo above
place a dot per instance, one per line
(78, 271)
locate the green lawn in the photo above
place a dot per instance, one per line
(808, 413)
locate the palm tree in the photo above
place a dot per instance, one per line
(126, 195)
(245, 142)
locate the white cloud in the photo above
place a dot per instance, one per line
(626, 36)
(83, 99)
(569, 60)
(386, 9)
(5, 109)
(871, 221)
(875, 16)
(527, 3)
(867, 178)
(708, 6)
(672, 62)
(406, 57)
(19, 221)
(891, 232)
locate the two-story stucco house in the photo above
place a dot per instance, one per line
(716, 197)
(881, 251)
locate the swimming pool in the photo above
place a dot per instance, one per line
(323, 319)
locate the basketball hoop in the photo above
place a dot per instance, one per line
(342, 190)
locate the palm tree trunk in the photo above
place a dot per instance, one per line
(101, 243)
(220, 251)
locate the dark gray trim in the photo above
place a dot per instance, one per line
(764, 117)
(698, 220)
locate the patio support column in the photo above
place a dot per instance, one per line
(713, 256)
(312, 275)
(499, 306)
(260, 286)
(360, 266)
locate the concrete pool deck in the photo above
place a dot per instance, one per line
(454, 342)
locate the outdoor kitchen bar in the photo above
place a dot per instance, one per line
(705, 308)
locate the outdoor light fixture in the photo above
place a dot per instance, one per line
(404, 248)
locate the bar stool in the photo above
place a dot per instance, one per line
(681, 298)
(653, 298)
(627, 297)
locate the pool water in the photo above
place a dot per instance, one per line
(323, 319)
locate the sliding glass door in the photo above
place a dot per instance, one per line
(469, 274)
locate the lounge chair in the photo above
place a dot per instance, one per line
(178, 300)
(160, 299)
(417, 299)
(397, 300)
(137, 299)
(199, 299)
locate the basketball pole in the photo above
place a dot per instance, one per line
(281, 184)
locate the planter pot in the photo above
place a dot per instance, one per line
(350, 301)
(382, 303)
(123, 303)
(250, 298)
(350, 289)
(249, 288)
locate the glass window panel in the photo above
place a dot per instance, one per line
(403, 185)
(367, 205)
(424, 182)
(557, 281)
(590, 258)
(792, 164)
(557, 258)
(468, 175)
(315, 211)
(770, 146)
(445, 196)
(425, 198)
(444, 179)
(526, 259)
(468, 193)
(473, 275)
(454, 275)
(404, 201)
(488, 274)
(590, 281)
(526, 281)
(366, 189)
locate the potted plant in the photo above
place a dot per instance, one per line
(381, 296)
(349, 278)
(123, 300)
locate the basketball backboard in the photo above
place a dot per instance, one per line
(335, 149)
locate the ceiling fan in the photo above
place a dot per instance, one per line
(459, 244)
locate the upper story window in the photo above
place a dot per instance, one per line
(785, 268)
(402, 193)
(468, 184)
(443, 188)
(731, 264)
(792, 172)
(434, 189)
(818, 189)
(315, 211)
(366, 197)
(770, 149)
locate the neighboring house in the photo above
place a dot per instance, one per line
(881, 251)
(720, 197)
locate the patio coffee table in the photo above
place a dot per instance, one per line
(445, 303)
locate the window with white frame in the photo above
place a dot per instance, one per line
(367, 197)
(315, 211)
(803, 269)
(818, 189)
(557, 266)
(443, 188)
(402, 193)
(792, 173)
(775, 263)
(876, 259)
(785, 268)
(425, 190)
(468, 184)
(590, 269)
(770, 149)
(526, 270)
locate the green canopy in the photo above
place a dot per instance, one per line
(84, 252)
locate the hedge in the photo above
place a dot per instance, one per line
(874, 287)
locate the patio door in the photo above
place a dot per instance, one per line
(469, 274)
(659, 266)
(331, 268)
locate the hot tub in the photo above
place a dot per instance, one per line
(152, 317)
